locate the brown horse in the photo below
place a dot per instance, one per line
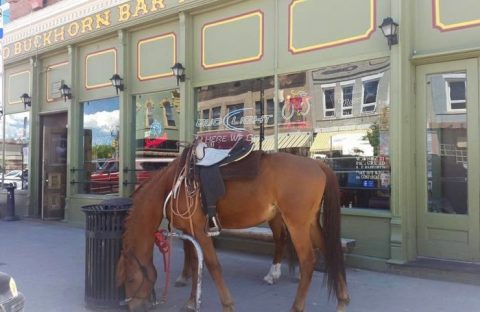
(281, 242)
(289, 185)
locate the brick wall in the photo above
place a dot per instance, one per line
(19, 8)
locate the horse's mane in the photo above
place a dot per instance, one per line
(140, 193)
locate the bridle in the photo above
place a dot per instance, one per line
(145, 278)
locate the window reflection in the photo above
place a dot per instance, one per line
(339, 114)
(101, 131)
(156, 132)
(447, 148)
(352, 129)
(17, 138)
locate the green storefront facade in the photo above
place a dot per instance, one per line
(392, 121)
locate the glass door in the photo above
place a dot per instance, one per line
(447, 145)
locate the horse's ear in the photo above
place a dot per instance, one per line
(121, 271)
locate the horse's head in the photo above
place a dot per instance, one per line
(139, 278)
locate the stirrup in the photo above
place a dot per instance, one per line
(212, 226)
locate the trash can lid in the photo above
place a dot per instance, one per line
(112, 204)
(118, 201)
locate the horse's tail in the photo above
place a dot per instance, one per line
(292, 258)
(334, 263)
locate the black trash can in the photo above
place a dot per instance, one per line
(10, 212)
(103, 233)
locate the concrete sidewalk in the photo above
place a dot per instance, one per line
(47, 261)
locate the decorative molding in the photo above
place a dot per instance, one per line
(47, 85)
(328, 44)
(95, 54)
(55, 15)
(437, 20)
(254, 14)
(10, 84)
(169, 73)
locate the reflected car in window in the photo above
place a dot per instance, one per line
(11, 300)
(15, 178)
(105, 179)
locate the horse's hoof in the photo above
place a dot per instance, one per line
(269, 279)
(342, 306)
(188, 307)
(181, 282)
(228, 308)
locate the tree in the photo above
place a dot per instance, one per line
(103, 151)
(373, 137)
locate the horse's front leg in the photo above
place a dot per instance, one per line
(188, 254)
(213, 265)
(191, 304)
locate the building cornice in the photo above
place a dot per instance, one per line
(58, 14)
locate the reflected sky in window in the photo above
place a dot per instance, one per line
(103, 118)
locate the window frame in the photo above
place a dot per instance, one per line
(367, 79)
(325, 87)
(344, 84)
(455, 78)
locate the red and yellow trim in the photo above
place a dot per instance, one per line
(254, 14)
(323, 45)
(437, 20)
(168, 73)
(91, 55)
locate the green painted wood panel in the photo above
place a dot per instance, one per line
(98, 62)
(152, 53)
(18, 83)
(233, 50)
(319, 33)
(372, 234)
(156, 56)
(445, 25)
(55, 70)
(94, 73)
(242, 34)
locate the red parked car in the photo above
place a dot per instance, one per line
(105, 179)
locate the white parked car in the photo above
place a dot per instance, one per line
(15, 178)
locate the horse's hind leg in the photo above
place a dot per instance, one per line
(343, 297)
(303, 245)
(279, 238)
(188, 253)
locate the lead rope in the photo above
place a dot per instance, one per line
(191, 195)
(163, 243)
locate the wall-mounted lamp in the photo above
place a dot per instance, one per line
(66, 92)
(26, 100)
(390, 31)
(117, 82)
(179, 72)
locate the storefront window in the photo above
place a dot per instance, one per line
(156, 132)
(447, 148)
(17, 137)
(338, 114)
(101, 130)
(351, 126)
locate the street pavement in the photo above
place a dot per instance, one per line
(47, 261)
